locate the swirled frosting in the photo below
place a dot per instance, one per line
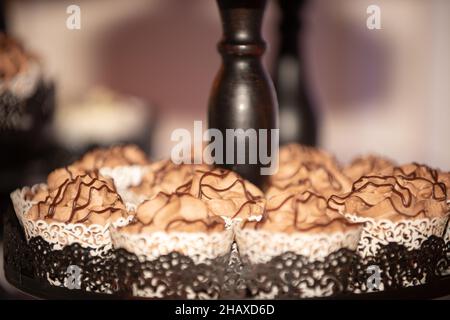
(88, 199)
(179, 212)
(165, 176)
(92, 161)
(200, 204)
(417, 171)
(227, 194)
(300, 209)
(366, 165)
(300, 165)
(116, 156)
(393, 198)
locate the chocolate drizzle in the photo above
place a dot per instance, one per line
(210, 223)
(333, 181)
(394, 184)
(186, 190)
(117, 153)
(296, 200)
(62, 191)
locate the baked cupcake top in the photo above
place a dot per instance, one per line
(200, 205)
(165, 176)
(116, 156)
(366, 165)
(300, 209)
(13, 58)
(226, 193)
(416, 171)
(177, 212)
(88, 199)
(393, 198)
(300, 165)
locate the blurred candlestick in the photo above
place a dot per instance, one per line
(298, 122)
(243, 96)
(2, 17)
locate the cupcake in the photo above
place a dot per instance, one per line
(26, 108)
(398, 209)
(299, 235)
(116, 156)
(67, 225)
(101, 118)
(228, 195)
(420, 171)
(366, 165)
(25, 98)
(71, 208)
(191, 224)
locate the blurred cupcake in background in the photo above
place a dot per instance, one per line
(103, 118)
(27, 99)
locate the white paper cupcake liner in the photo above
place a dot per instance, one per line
(94, 236)
(260, 246)
(155, 251)
(200, 247)
(410, 233)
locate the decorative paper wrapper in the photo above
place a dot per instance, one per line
(26, 101)
(447, 234)
(297, 265)
(95, 237)
(172, 265)
(410, 233)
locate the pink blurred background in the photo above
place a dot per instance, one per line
(383, 91)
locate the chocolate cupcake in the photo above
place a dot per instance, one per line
(299, 236)
(417, 171)
(71, 208)
(366, 165)
(25, 97)
(175, 248)
(193, 223)
(402, 209)
(113, 157)
(227, 194)
(298, 220)
(26, 109)
(103, 117)
(177, 222)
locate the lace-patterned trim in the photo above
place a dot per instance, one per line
(60, 234)
(409, 232)
(201, 247)
(261, 246)
(447, 234)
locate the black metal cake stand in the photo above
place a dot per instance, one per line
(24, 278)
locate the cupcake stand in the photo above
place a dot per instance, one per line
(393, 272)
